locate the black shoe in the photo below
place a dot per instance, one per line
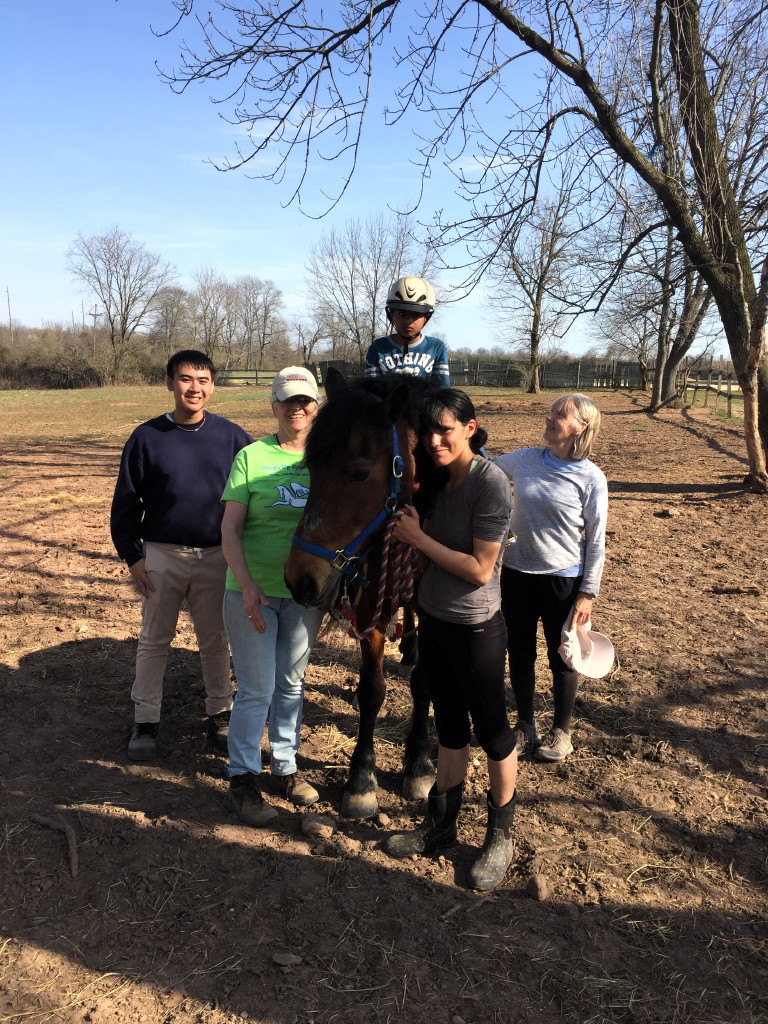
(438, 829)
(527, 737)
(244, 799)
(218, 731)
(142, 746)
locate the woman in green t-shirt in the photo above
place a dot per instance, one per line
(269, 634)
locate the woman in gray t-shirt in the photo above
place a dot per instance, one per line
(462, 636)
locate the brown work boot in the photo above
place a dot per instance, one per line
(296, 789)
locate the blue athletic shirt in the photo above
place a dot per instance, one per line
(425, 358)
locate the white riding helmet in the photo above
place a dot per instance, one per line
(413, 294)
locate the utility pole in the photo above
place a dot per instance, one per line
(10, 318)
(94, 313)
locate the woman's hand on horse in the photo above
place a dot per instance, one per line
(407, 526)
(253, 601)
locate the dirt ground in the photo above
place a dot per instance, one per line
(651, 837)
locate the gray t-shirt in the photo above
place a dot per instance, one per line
(479, 508)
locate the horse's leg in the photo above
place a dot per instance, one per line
(408, 642)
(418, 769)
(359, 799)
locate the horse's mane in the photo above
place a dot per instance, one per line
(352, 404)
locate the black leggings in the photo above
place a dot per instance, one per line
(464, 668)
(526, 598)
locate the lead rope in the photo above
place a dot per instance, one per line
(404, 563)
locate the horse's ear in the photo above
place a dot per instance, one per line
(335, 382)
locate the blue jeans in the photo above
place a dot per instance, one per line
(270, 681)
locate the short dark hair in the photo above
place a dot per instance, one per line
(459, 405)
(190, 357)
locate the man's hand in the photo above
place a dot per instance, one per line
(140, 579)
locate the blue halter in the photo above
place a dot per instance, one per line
(345, 560)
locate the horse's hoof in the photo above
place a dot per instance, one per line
(359, 805)
(417, 787)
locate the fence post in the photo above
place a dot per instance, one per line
(730, 393)
(578, 375)
(706, 390)
(717, 395)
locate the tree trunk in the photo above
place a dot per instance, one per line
(755, 450)
(762, 401)
(534, 386)
(669, 376)
(662, 349)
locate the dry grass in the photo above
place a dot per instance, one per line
(650, 836)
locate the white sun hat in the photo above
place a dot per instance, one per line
(293, 381)
(586, 651)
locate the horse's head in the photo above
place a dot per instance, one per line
(349, 455)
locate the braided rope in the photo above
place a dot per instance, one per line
(404, 563)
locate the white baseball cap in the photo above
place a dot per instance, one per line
(586, 651)
(292, 381)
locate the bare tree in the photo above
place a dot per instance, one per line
(258, 317)
(171, 328)
(211, 310)
(655, 310)
(351, 268)
(126, 279)
(304, 85)
(628, 321)
(535, 270)
(307, 338)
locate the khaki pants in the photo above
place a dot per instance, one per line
(178, 574)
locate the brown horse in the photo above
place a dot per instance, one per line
(365, 461)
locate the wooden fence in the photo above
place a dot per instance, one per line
(575, 375)
(245, 378)
(710, 387)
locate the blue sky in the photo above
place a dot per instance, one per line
(93, 139)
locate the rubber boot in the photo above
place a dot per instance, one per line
(489, 869)
(436, 831)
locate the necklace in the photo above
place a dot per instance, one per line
(281, 444)
(190, 430)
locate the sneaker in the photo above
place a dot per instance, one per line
(218, 731)
(244, 799)
(296, 789)
(556, 746)
(526, 737)
(142, 746)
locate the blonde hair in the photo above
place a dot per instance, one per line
(585, 410)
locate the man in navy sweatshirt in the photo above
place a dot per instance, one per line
(166, 526)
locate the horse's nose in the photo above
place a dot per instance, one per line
(304, 590)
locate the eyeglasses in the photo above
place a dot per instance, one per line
(298, 399)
